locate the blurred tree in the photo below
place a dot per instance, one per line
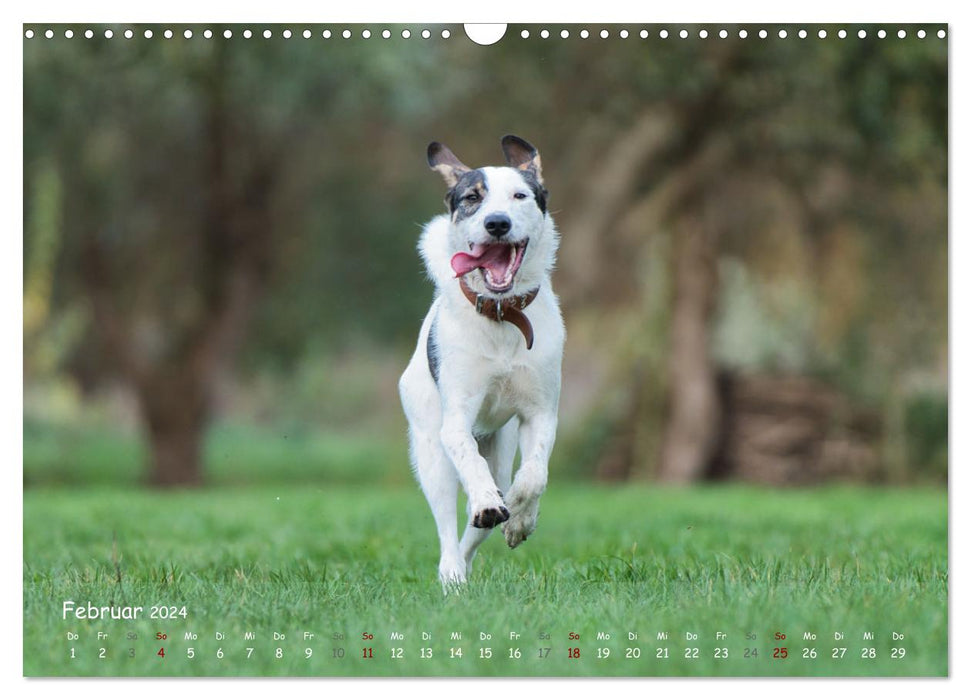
(178, 160)
(221, 266)
(783, 155)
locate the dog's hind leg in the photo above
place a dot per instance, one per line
(439, 482)
(499, 450)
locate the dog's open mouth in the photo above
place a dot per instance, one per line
(499, 263)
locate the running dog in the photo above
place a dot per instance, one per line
(485, 377)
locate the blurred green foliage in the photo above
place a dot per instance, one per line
(833, 204)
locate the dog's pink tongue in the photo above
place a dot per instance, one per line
(480, 256)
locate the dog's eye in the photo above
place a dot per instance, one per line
(520, 195)
(472, 197)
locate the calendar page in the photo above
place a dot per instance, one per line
(523, 350)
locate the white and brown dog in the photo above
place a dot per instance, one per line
(485, 377)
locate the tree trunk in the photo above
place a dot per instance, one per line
(176, 414)
(692, 428)
(174, 383)
(176, 454)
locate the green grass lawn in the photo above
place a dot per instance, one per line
(343, 563)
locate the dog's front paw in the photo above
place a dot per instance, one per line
(517, 529)
(522, 522)
(488, 518)
(489, 511)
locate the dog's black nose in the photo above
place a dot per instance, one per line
(498, 225)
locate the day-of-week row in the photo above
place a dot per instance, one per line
(393, 636)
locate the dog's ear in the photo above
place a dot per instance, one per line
(522, 155)
(440, 158)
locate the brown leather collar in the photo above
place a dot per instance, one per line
(509, 309)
